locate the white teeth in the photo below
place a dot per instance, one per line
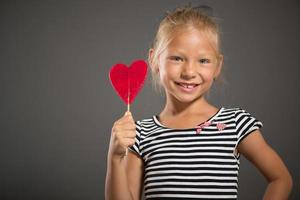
(188, 86)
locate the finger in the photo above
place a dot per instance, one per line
(125, 125)
(128, 117)
(127, 142)
(125, 134)
(126, 120)
(125, 116)
(127, 113)
(129, 126)
(129, 134)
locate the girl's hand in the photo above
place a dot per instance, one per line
(122, 136)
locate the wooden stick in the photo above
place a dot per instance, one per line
(128, 105)
(128, 110)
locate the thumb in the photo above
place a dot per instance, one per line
(127, 113)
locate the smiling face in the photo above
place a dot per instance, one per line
(188, 66)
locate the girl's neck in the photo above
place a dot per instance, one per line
(174, 107)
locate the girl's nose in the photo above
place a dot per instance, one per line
(188, 70)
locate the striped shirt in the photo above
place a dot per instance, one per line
(195, 163)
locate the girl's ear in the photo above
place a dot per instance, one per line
(150, 56)
(220, 65)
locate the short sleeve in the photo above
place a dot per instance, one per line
(245, 124)
(136, 146)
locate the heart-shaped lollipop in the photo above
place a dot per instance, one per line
(127, 81)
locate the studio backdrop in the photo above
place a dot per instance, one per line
(58, 106)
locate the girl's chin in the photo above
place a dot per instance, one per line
(187, 98)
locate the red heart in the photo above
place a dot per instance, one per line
(127, 81)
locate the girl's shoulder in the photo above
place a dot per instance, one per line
(236, 110)
(240, 114)
(245, 122)
(145, 122)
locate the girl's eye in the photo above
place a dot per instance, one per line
(204, 61)
(176, 58)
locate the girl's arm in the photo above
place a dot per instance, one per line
(135, 174)
(257, 151)
(124, 178)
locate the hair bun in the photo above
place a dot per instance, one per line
(205, 9)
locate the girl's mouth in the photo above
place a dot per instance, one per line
(187, 87)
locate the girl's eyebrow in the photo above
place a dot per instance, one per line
(183, 54)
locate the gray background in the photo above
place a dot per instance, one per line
(58, 107)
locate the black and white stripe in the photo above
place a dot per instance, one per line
(181, 164)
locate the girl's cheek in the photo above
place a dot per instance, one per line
(209, 75)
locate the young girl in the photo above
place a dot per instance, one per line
(192, 149)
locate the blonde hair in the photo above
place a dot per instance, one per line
(181, 19)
